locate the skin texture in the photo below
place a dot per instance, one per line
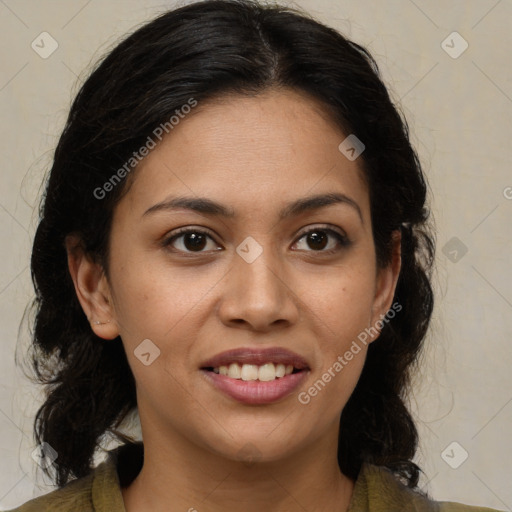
(255, 155)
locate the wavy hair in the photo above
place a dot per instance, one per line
(205, 50)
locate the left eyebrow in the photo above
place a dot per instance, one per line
(209, 207)
(315, 202)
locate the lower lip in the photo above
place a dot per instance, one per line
(255, 391)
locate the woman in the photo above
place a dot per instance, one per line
(234, 241)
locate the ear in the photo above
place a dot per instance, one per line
(92, 289)
(387, 279)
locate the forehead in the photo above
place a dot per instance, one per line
(250, 152)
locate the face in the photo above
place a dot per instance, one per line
(269, 275)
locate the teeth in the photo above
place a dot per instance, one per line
(264, 373)
(234, 371)
(267, 372)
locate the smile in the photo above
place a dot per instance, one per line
(263, 373)
(254, 391)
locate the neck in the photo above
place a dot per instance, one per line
(306, 480)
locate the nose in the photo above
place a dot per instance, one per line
(259, 295)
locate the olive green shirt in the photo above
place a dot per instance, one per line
(376, 490)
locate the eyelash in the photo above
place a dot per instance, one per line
(343, 241)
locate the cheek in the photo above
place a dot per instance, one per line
(151, 299)
(167, 306)
(341, 300)
(159, 306)
(341, 309)
(329, 392)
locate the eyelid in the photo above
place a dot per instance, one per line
(343, 239)
(340, 235)
(190, 229)
(323, 227)
(168, 240)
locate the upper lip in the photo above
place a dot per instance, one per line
(257, 356)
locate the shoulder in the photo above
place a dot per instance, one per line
(97, 492)
(76, 495)
(377, 489)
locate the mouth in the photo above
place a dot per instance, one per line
(249, 372)
(256, 376)
(263, 364)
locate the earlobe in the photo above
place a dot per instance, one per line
(387, 279)
(92, 289)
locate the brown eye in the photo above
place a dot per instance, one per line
(194, 241)
(319, 238)
(189, 240)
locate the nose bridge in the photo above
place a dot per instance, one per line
(257, 292)
(261, 273)
(258, 265)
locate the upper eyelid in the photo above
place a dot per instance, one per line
(324, 227)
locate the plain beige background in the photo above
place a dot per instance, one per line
(459, 106)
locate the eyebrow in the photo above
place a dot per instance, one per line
(210, 207)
